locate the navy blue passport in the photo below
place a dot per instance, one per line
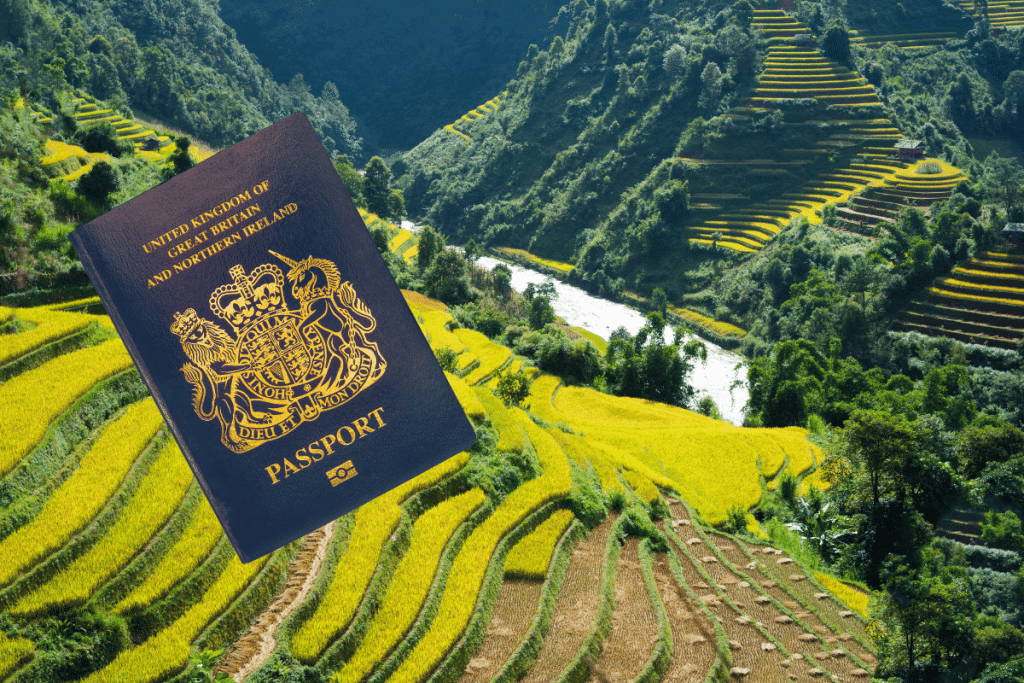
(273, 338)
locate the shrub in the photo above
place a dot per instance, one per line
(996, 642)
(100, 182)
(1003, 531)
(103, 137)
(513, 388)
(787, 487)
(578, 360)
(447, 358)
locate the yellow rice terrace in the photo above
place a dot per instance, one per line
(582, 545)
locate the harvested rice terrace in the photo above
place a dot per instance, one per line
(777, 626)
(981, 302)
(121, 538)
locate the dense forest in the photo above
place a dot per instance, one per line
(178, 62)
(628, 148)
(403, 67)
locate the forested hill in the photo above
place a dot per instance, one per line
(646, 129)
(404, 67)
(173, 60)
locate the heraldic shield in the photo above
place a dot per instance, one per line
(279, 366)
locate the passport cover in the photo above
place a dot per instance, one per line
(273, 338)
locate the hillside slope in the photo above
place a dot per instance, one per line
(176, 61)
(642, 131)
(414, 582)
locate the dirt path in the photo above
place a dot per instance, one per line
(634, 631)
(576, 608)
(254, 648)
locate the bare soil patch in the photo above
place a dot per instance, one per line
(634, 631)
(513, 613)
(693, 636)
(576, 608)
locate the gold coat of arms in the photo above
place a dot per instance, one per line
(278, 367)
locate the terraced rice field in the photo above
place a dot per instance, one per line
(907, 41)
(413, 583)
(480, 112)
(906, 188)
(797, 72)
(777, 24)
(72, 161)
(980, 302)
(792, 73)
(1001, 13)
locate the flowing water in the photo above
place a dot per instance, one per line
(715, 378)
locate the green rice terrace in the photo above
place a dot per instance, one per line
(444, 578)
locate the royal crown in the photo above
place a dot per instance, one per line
(250, 297)
(183, 325)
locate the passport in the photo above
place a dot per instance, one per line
(273, 338)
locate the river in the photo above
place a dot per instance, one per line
(714, 378)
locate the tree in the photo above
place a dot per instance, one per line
(675, 61)
(1002, 178)
(1013, 91)
(960, 104)
(15, 17)
(673, 201)
(502, 277)
(659, 300)
(376, 188)
(877, 441)
(547, 289)
(180, 158)
(645, 366)
(447, 358)
(835, 43)
(446, 279)
(350, 178)
(396, 205)
(471, 250)
(711, 90)
(513, 388)
(541, 312)
(103, 137)
(428, 243)
(927, 621)
(99, 183)
(785, 386)
(743, 13)
(996, 642)
(1003, 530)
(978, 445)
